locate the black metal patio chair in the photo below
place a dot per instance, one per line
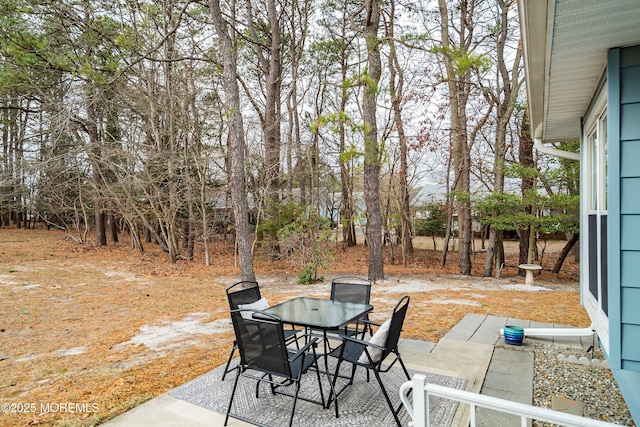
(349, 289)
(353, 289)
(372, 353)
(246, 294)
(265, 357)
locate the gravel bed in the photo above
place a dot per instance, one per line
(590, 384)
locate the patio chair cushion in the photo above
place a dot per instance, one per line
(261, 304)
(379, 338)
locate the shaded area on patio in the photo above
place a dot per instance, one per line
(361, 403)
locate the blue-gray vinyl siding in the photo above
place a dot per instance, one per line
(623, 165)
(627, 279)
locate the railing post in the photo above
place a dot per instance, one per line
(472, 415)
(420, 402)
(405, 389)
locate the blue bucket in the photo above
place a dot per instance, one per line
(513, 335)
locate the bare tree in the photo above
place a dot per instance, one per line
(503, 96)
(297, 29)
(228, 49)
(527, 160)
(334, 55)
(266, 43)
(457, 51)
(457, 81)
(347, 209)
(371, 23)
(396, 91)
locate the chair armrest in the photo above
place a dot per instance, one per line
(361, 342)
(303, 349)
(370, 322)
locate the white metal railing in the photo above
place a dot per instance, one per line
(419, 412)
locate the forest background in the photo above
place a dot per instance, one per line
(284, 124)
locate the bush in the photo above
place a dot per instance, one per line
(434, 223)
(305, 241)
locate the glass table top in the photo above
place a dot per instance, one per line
(317, 312)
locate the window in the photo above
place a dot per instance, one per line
(592, 142)
(595, 286)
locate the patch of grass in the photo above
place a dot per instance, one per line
(130, 403)
(10, 383)
(92, 420)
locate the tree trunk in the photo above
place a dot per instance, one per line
(91, 127)
(507, 88)
(448, 219)
(388, 239)
(271, 69)
(346, 206)
(526, 161)
(100, 223)
(396, 86)
(565, 252)
(189, 234)
(113, 228)
(494, 246)
(371, 161)
(236, 143)
(493, 261)
(458, 95)
(465, 226)
(136, 242)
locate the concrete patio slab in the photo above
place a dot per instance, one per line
(167, 411)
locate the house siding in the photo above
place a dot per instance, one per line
(623, 75)
(629, 203)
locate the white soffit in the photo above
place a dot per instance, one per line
(573, 38)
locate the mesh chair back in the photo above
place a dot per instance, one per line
(261, 344)
(397, 320)
(351, 289)
(244, 292)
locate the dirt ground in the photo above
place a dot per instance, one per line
(87, 333)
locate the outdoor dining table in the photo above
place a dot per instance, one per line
(320, 314)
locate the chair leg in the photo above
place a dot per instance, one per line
(273, 387)
(353, 373)
(404, 368)
(295, 400)
(295, 338)
(319, 382)
(233, 393)
(386, 397)
(332, 393)
(226, 368)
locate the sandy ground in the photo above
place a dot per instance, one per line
(108, 328)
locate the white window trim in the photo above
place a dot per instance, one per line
(594, 119)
